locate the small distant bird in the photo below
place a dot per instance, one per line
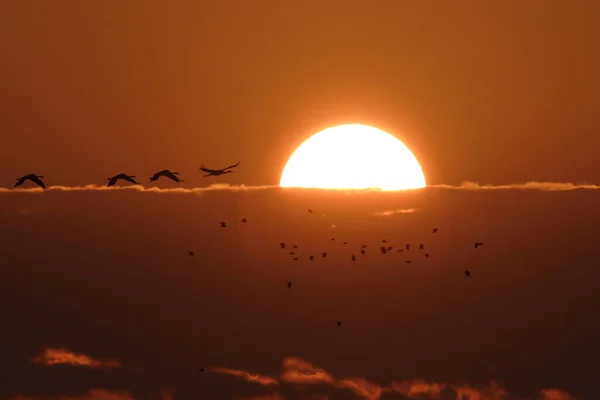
(467, 273)
(244, 220)
(421, 246)
(201, 369)
(217, 172)
(353, 258)
(310, 211)
(345, 243)
(389, 248)
(37, 179)
(362, 251)
(125, 177)
(324, 254)
(282, 245)
(399, 250)
(339, 323)
(311, 258)
(289, 284)
(407, 246)
(434, 230)
(427, 255)
(477, 244)
(332, 239)
(408, 261)
(364, 246)
(295, 259)
(167, 174)
(292, 253)
(384, 241)
(383, 250)
(294, 247)
(223, 224)
(191, 253)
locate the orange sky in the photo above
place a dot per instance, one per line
(100, 300)
(496, 92)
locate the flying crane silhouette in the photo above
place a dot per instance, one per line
(125, 177)
(167, 174)
(477, 244)
(217, 172)
(37, 179)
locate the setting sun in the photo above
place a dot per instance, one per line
(353, 157)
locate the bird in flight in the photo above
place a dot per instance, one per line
(324, 254)
(217, 172)
(353, 258)
(477, 244)
(292, 253)
(339, 323)
(362, 251)
(467, 273)
(201, 369)
(37, 179)
(364, 246)
(310, 211)
(191, 253)
(311, 258)
(421, 246)
(167, 174)
(427, 255)
(125, 177)
(345, 243)
(434, 230)
(282, 245)
(244, 220)
(289, 284)
(294, 247)
(295, 259)
(407, 247)
(223, 224)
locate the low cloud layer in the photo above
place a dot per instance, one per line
(297, 371)
(93, 394)
(61, 356)
(546, 186)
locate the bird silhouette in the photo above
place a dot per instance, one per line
(289, 284)
(167, 174)
(244, 220)
(201, 369)
(292, 253)
(353, 258)
(282, 245)
(223, 224)
(434, 230)
(217, 172)
(389, 248)
(294, 247)
(295, 259)
(311, 258)
(421, 246)
(332, 239)
(477, 244)
(310, 211)
(339, 323)
(125, 177)
(364, 246)
(362, 251)
(407, 246)
(191, 253)
(399, 250)
(467, 273)
(324, 254)
(408, 261)
(427, 255)
(344, 242)
(37, 179)
(384, 241)
(383, 250)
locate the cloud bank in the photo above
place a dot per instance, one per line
(297, 371)
(61, 356)
(387, 213)
(473, 186)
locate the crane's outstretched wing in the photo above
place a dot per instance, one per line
(231, 166)
(130, 179)
(39, 182)
(19, 182)
(113, 180)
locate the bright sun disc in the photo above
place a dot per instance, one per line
(353, 157)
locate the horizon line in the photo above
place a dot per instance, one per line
(466, 185)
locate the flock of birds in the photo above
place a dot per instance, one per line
(37, 179)
(385, 248)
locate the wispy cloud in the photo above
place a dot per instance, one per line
(93, 394)
(247, 376)
(57, 356)
(297, 371)
(533, 185)
(387, 213)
